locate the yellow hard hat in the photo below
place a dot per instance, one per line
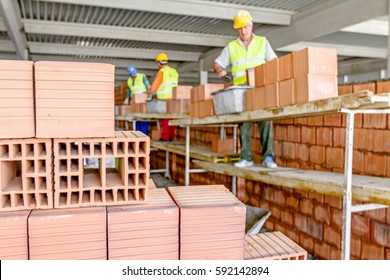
(161, 56)
(241, 19)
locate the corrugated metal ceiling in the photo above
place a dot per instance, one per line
(175, 19)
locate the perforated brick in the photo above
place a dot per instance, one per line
(144, 232)
(68, 234)
(16, 99)
(26, 174)
(212, 223)
(74, 99)
(126, 182)
(13, 235)
(272, 246)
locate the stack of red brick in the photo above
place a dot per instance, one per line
(180, 102)
(307, 75)
(202, 101)
(43, 154)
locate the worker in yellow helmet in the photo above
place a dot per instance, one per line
(166, 79)
(248, 51)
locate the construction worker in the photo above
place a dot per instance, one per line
(248, 51)
(166, 79)
(137, 83)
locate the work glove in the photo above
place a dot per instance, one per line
(126, 102)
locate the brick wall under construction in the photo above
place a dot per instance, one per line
(312, 220)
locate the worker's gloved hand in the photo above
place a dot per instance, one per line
(126, 102)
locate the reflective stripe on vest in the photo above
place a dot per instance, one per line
(137, 86)
(170, 80)
(242, 59)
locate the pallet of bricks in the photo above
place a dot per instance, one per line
(45, 182)
(54, 205)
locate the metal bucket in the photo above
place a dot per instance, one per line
(156, 106)
(230, 100)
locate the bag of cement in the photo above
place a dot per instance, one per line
(255, 219)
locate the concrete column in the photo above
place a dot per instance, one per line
(203, 77)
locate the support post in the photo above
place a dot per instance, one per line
(187, 172)
(347, 198)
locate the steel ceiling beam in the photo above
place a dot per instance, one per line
(7, 46)
(123, 33)
(372, 27)
(326, 19)
(10, 14)
(360, 66)
(195, 8)
(121, 63)
(67, 49)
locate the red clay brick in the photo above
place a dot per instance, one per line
(364, 139)
(335, 157)
(308, 135)
(381, 234)
(356, 246)
(280, 132)
(338, 137)
(322, 250)
(332, 236)
(360, 226)
(268, 193)
(292, 202)
(307, 165)
(322, 213)
(324, 136)
(375, 164)
(335, 254)
(292, 164)
(316, 197)
(334, 201)
(382, 141)
(280, 197)
(288, 150)
(16, 99)
(287, 218)
(55, 111)
(377, 215)
(293, 133)
(292, 233)
(315, 229)
(387, 253)
(303, 152)
(276, 211)
(279, 226)
(130, 229)
(358, 162)
(344, 89)
(363, 86)
(372, 251)
(286, 92)
(306, 206)
(300, 121)
(306, 241)
(300, 222)
(13, 235)
(375, 121)
(315, 121)
(317, 154)
(332, 120)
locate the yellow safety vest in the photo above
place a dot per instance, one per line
(242, 58)
(170, 80)
(137, 85)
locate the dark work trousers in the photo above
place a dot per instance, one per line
(266, 140)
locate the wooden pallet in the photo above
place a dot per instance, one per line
(272, 246)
